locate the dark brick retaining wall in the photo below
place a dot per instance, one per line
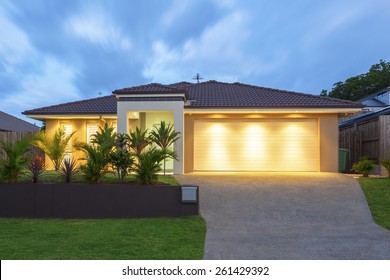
(75, 201)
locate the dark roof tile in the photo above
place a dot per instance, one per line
(149, 88)
(100, 105)
(204, 95)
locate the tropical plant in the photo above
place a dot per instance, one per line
(164, 136)
(386, 163)
(121, 141)
(36, 168)
(148, 165)
(121, 161)
(96, 162)
(364, 166)
(16, 159)
(138, 140)
(68, 169)
(97, 154)
(104, 138)
(54, 147)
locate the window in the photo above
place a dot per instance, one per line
(68, 131)
(92, 128)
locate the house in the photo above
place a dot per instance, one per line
(12, 124)
(367, 135)
(224, 126)
(377, 100)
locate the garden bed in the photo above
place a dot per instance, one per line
(85, 201)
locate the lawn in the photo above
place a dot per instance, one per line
(377, 192)
(107, 239)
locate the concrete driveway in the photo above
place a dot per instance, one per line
(287, 216)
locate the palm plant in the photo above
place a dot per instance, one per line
(54, 147)
(97, 154)
(96, 162)
(121, 159)
(138, 140)
(16, 160)
(148, 165)
(104, 138)
(164, 136)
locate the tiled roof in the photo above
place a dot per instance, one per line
(211, 94)
(148, 89)
(217, 94)
(100, 105)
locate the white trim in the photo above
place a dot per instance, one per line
(270, 110)
(151, 95)
(126, 107)
(67, 117)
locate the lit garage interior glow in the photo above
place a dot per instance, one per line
(256, 145)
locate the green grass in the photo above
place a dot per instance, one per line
(377, 192)
(51, 176)
(124, 239)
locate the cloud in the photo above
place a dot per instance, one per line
(15, 46)
(50, 83)
(34, 79)
(335, 18)
(94, 25)
(177, 9)
(221, 48)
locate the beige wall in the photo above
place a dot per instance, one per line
(78, 125)
(328, 136)
(329, 143)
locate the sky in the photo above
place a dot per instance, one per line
(56, 51)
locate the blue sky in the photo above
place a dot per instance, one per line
(57, 51)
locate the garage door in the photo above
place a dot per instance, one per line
(265, 145)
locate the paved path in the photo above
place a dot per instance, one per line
(287, 216)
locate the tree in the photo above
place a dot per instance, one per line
(164, 136)
(54, 147)
(355, 88)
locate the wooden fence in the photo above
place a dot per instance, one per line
(369, 138)
(12, 137)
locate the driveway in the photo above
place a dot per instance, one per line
(287, 216)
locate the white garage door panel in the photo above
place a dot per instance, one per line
(266, 145)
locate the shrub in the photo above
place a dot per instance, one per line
(68, 169)
(104, 139)
(121, 161)
(97, 154)
(36, 168)
(54, 147)
(96, 163)
(364, 166)
(16, 160)
(386, 163)
(148, 166)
